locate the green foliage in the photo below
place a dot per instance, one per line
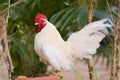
(3, 6)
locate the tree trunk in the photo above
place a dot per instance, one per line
(118, 49)
(6, 66)
(90, 61)
(118, 41)
(115, 67)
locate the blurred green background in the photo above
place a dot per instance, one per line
(68, 16)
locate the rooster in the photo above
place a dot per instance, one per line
(54, 51)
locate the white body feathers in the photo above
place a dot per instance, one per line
(60, 54)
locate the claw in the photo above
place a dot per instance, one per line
(58, 74)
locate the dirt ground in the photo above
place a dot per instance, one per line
(102, 71)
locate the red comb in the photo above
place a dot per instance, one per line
(40, 16)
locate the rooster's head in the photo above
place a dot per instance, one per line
(40, 20)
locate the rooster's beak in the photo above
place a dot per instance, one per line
(36, 23)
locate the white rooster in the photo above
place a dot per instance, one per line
(60, 54)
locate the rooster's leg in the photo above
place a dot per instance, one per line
(54, 72)
(58, 74)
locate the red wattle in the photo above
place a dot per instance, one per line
(39, 28)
